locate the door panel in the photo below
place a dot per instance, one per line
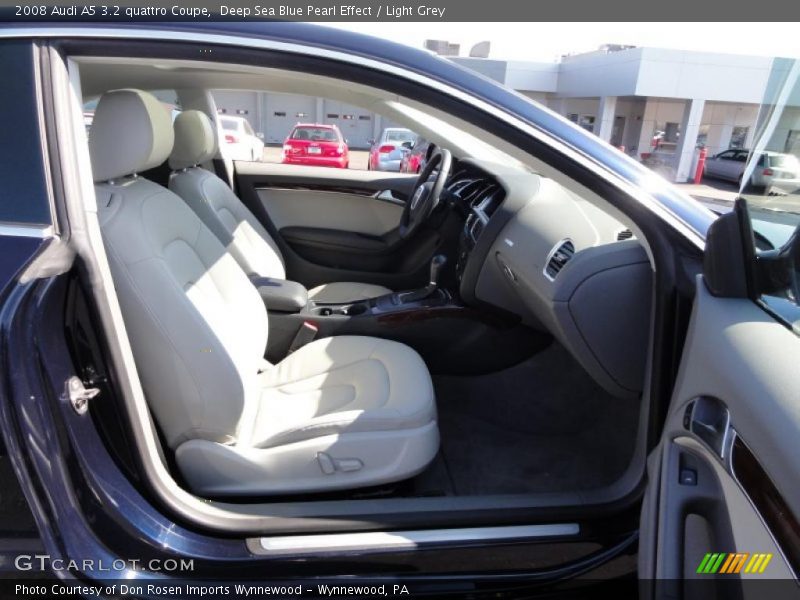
(341, 210)
(340, 224)
(738, 354)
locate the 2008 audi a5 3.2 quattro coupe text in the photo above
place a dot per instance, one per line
(283, 371)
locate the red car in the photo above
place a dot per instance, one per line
(316, 145)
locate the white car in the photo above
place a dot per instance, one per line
(771, 168)
(237, 140)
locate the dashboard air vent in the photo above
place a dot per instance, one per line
(559, 256)
(492, 201)
(624, 234)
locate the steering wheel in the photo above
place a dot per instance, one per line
(426, 194)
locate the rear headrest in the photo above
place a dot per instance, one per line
(195, 140)
(131, 132)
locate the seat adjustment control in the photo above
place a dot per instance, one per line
(330, 465)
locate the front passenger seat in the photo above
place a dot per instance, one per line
(339, 413)
(230, 220)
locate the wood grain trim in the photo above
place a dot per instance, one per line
(766, 498)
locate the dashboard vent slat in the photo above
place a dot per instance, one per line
(558, 258)
(624, 234)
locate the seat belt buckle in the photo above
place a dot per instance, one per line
(305, 335)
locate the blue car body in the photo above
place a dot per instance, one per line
(100, 513)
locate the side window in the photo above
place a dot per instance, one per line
(727, 155)
(771, 192)
(298, 129)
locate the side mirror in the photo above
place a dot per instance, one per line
(370, 142)
(346, 141)
(260, 135)
(725, 260)
(408, 145)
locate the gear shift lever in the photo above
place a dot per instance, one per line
(437, 264)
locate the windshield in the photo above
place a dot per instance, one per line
(770, 192)
(771, 187)
(229, 125)
(451, 137)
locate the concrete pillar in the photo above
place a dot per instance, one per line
(319, 111)
(261, 113)
(719, 137)
(647, 129)
(377, 126)
(690, 127)
(558, 105)
(607, 109)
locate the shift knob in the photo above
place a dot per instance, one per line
(437, 264)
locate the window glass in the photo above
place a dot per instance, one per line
(739, 137)
(770, 190)
(315, 134)
(587, 122)
(306, 130)
(787, 161)
(24, 197)
(399, 135)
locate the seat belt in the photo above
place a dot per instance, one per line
(223, 168)
(305, 335)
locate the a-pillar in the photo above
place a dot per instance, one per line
(690, 128)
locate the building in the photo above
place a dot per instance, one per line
(274, 115)
(643, 99)
(639, 99)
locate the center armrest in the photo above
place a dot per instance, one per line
(281, 295)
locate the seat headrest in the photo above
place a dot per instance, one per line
(131, 132)
(195, 140)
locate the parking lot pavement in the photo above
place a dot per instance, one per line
(716, 194)
(358, 158)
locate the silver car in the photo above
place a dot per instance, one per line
(386, 152)
(770, 168)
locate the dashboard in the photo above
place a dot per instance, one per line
(533, 248)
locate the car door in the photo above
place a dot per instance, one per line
(723, 499)
(332, 223)
(720, 165)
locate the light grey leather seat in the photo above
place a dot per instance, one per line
(230, 220)
(338, 413)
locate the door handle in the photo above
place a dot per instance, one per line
(710, 420)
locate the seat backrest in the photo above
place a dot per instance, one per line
(197, 325)
(214, 201)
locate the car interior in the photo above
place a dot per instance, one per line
(476, 332)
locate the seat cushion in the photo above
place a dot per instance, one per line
(339, 413)
(343, 384)
(345, 291)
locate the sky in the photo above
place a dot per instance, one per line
(548, 41)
